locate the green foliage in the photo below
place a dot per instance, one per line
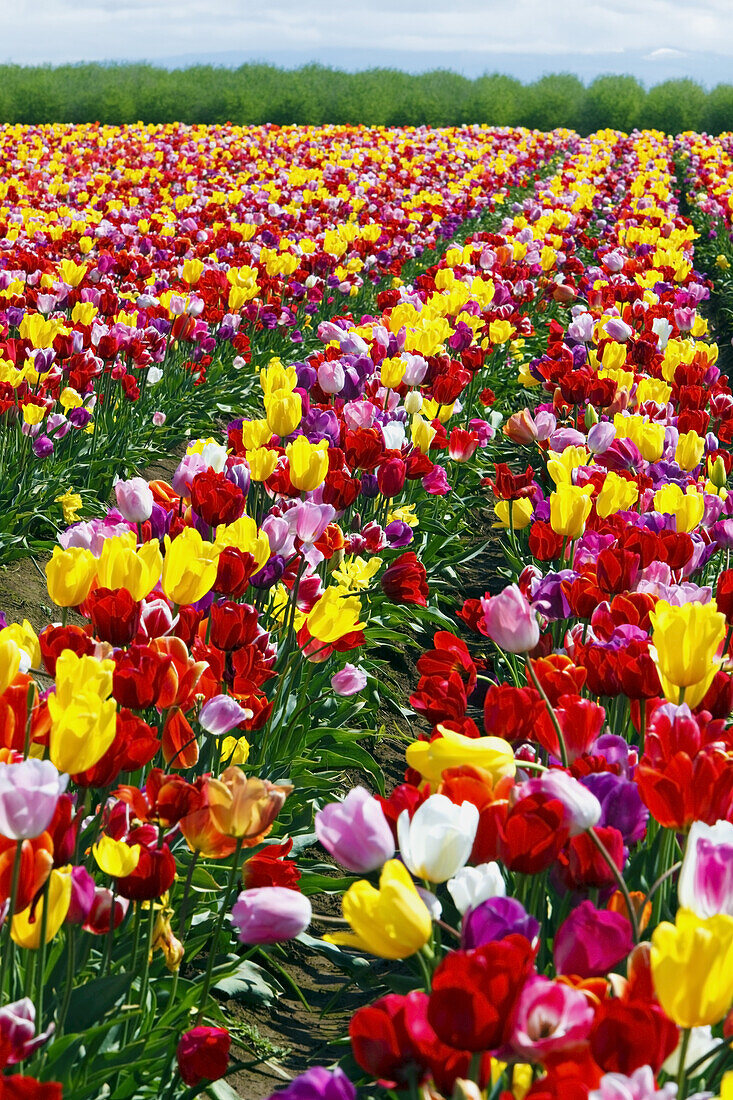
(261, 93)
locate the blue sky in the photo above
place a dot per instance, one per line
(652, 38)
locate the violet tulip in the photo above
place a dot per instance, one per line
(348, 680)
(318, 1084)
(270, 914)
(356, 832)
(495, 919)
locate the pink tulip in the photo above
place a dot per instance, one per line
(270, 914)
(355, 832)
(510, 621)
(349, 680)
(29, 793)
(134, 499)
(549, 1018)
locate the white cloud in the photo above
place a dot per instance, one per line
(69, 30)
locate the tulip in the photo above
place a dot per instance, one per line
(686, 640)
(283, 411)
(640, 1085)
(549, 1017)
(189, 568)
(582, 808)
(706, 880)
(510, 621)
(318, 1083)
(570, 506)
(495, 919)
(591, 941)
(18, 1039)
(202, 1054)
(29, 794)
(335, 614)
(121, 565)
(134, 499)
(10, 661)
(452, 750)
(474, 993)
(26, 926)
(115, 857)
(470, 886)
(349, 680)
(221, 714)
(355, 832)
(438, 839)
(308, 463)
(83, 719)
(692, 967)
(245, 808)
(392, 922)
(69, 575)
(270, 914)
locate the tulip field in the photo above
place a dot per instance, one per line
(410, 663)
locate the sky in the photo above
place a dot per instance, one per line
(653, 39)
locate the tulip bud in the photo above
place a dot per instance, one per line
(591, 417)
(717, 473)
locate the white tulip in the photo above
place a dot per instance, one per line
(472, 885)
(438, 840)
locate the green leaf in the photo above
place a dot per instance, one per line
(91, 1002)
(250, 983)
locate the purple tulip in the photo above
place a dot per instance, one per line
(269, 574)
(270, 914)
(318, 1084)
(621, 805)
(495, 919)
(29, 793)
(356, 832)
(591, 941)
(398, 534)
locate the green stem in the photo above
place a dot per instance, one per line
(218, 927)
(682, 1072)
(9, 919)
(550, 711)
(633, 920)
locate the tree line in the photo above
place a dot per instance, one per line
(261, 93)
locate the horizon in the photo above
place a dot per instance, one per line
(653, 40)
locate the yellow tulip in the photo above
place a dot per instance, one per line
(261, 463)
(71, 273)
(114, 857)
(686, 640)
(617, 495)
(570, 507)
(26, 932)
(69, 575)
(308, 463)
(245, 536)
(335, 614)
(392, 922)
(560, 466)
(392, 372)
(9, 662)
(189, 567)
(25, 638)
(423, 433)
(121, 565)
(692, 968)
(689, 451)
(283, 411)
(83, 718)
(431, 758)
(522, 511)
(687, 507)
(255, 433)
(192, 271)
